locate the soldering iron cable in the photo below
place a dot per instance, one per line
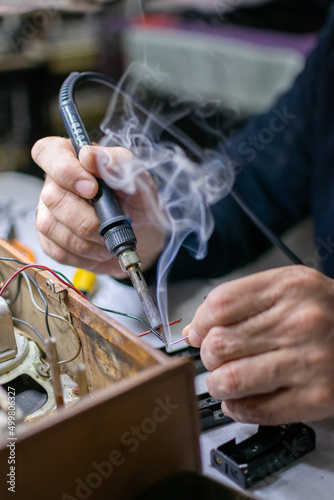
(68, 91)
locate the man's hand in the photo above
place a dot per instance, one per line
(66, 221)
(268, 341)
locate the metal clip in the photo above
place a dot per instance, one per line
(57, 288)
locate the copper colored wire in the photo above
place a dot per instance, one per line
(167, 324)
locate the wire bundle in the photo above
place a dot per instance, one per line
(30, 281)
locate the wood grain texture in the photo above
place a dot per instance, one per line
(138, 426)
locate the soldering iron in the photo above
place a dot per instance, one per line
(115, 226)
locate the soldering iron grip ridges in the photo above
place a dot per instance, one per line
(118, 237)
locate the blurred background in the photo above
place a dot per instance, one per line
(230, 58)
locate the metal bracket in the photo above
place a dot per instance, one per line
(56, 288)
(60, 290)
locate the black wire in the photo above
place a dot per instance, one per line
(11, 302)
(31, 327)
(277, 242)
(131, 316)
(46, 307)
(194, 149)
(175, 132)
(12, 259)
(127, 315)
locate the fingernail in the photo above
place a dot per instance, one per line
(85, 188)
(194, 339)
(224, 407)
(85, 155)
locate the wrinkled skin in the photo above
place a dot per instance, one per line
(268, 341)
(67, 224)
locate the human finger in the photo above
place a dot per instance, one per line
(237, 301)
(58, 240)
(64, 256)
(95, 158)
(135, 188)
(283, 406)
(259, 374)
(256, 335)
(286, 405)
(56, 156)
(69, 210)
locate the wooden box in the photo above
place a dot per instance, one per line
(137, 426)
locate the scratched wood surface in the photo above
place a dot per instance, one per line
(109, 350)
(138, 426)
(115, 445)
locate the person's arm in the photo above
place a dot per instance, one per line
(273, 156)
(268, 338)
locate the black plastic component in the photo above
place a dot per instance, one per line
(115, 227)
(210, 412)
(189, 352)
(264, 453)
(29, 395)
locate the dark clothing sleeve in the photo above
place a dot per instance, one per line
(284, 166)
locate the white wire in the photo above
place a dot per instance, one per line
(52, 315)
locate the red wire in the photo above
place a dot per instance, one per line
(38, 266)
(168, 324)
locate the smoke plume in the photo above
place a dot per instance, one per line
(188, 178)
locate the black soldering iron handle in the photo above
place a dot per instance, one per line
(115, 227)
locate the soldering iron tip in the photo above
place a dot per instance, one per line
(161, 332)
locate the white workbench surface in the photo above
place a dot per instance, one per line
(312, 477)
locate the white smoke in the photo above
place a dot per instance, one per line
(189, 180)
